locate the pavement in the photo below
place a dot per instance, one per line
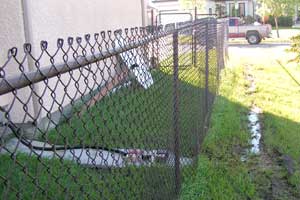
(261, 54)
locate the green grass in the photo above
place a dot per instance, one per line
(134, 117)
(65, 180)
(130, 118)
(137, 118)
(221, 173)
(279, 95)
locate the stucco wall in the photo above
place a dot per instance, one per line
(52, 19)
(12, 35)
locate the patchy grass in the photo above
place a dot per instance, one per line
(221, 173)
(278, 93)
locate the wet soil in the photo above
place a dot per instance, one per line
(269, 169)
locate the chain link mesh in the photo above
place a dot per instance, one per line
(114, 115)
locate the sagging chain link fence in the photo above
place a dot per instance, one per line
(116, 115)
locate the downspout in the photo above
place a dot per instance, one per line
(254, 8)
(28, 39)
(143, 13)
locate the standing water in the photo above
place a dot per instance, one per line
(254, 124)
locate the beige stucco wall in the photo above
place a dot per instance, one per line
(52, 19)
(12, 35)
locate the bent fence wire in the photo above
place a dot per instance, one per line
(116, 115)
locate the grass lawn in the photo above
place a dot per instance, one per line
(137, 118)
(66, 180)
(221, 173)
(279, 94)
(129, 118)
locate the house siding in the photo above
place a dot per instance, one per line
(52, 19)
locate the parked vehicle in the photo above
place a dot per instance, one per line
(253, 33)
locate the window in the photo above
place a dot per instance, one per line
(231, 10)
(242, 10)
(210, 11)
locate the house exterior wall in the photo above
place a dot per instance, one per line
(249, 9)
(52, 19)
(12, 35)
(210, 5)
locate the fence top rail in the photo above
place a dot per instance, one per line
(24, 79)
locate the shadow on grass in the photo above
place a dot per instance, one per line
(221, 173)
(145, 118)
(129, 118)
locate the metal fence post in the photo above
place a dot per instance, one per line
(194, 50)
(219, 51)
(206, 68)
(176, 113)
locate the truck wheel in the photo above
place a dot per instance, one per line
(253, 39)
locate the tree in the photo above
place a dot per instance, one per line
(277, 8)
(191, 4)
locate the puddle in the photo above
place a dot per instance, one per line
(98, 157)
(255, 129)
(254, 124)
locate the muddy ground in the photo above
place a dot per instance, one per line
(268, 168)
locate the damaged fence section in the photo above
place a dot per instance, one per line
(114, 115)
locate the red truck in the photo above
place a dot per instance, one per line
(253, 33)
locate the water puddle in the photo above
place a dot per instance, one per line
(254, 124)
(255, 129)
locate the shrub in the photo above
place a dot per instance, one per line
(282, 21)
(249, 19)
(295, 48)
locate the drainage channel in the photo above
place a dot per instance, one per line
(254, 123)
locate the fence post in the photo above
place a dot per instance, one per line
(206, 68)
(194, 41)
(219, 51)
(176, 113)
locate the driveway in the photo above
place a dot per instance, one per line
(262, 54)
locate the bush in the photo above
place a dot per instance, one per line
(295, 48)
(282, 21)
(249, 19)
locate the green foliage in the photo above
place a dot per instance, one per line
(221, 173)
(191, 4)
(282, 21)
(276, 8)
(249, 19)
(67, 180)
(295, 48)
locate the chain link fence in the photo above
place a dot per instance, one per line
(116, 115)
